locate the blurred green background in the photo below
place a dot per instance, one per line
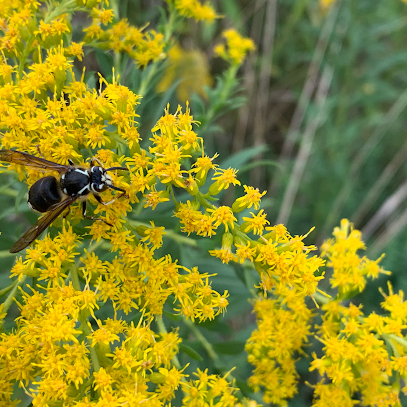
(318, 120)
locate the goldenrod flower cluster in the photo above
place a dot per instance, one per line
(363, 354)
(349, 270)
(188, 67)
(194, 9)
(283, 327)
(236, 47)
(64, 350)
(364, 357)
(142, 46)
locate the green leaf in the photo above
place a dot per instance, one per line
(174, 317)
(229, 348)
(240, 158)
(105, 61)
(190, 352)
(21, 194)
(261, 163)
(216, 325)
(8, 211)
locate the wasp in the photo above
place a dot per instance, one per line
(51, 196)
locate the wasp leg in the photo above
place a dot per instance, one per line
(91, 217)
(71, 162)
(123, 193)
(67, 212)
(39, 151)
(92, 162)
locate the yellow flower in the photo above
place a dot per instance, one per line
(223, 178)
(256, 223)
(194, 9)
(223, 215)
(190, 68)
(251, 198)
(237, 47)
(103, 15)
(153, 198)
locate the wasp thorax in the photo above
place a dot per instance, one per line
(75, 182)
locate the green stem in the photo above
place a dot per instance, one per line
(212, 354)
(321, 298)
(198, 335)
(60, 9)
(224, 95)
(399, 340)
(84, 321)
(115, 7)
(6, 253)
(10, 297)
(168, 31)
(24, 57)
(203, 201)
(117, 64)
(5, 290)
(9, 192)
(172, 195)
(146, 81)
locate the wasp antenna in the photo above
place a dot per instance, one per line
(117, 188)
(117, 168)
(39, 151)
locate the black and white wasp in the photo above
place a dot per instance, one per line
(53, 196)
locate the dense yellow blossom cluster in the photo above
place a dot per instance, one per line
(349, 269)
(90, 330)
(189, 69)
(236, 47)
(64, 350)
(363, 354)
(283, 327)
(364, 357)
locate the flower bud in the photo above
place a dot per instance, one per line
(215, 188)
(157, 378)
(227, 240)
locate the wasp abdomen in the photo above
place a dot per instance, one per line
(43, 194)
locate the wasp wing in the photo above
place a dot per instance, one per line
(42, 224)
(18, 157)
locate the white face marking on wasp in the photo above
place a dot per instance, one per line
(106, 178)
(103, 181)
